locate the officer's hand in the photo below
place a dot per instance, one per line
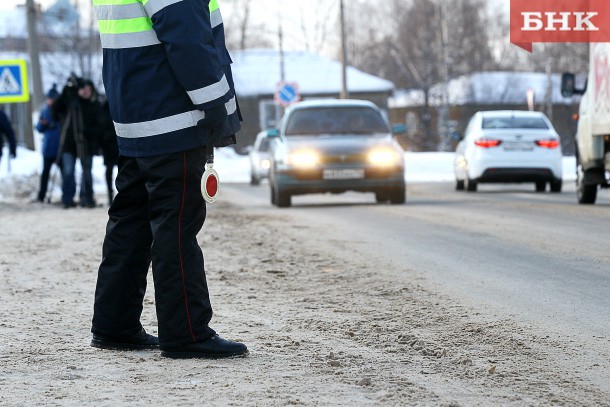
(216, 123)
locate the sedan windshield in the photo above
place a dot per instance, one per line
(335, 120)
(507, 122)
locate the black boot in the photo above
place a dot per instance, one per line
(139, 341)
(212, 348)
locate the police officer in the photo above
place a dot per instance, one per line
(169, 86)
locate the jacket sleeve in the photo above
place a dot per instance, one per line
(184, 28)
(45, 122)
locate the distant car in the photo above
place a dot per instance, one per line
(259, 159)
(335, 146)
(509, 146)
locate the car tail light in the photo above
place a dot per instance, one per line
(548, 143)
(487, 142)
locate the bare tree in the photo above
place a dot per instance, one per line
(411, 50)
(241, 32)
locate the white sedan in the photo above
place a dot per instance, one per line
(509, 146)
(259, 159)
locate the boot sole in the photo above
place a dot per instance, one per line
(200, 355)
(96, 343)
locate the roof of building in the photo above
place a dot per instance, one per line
(257, 72)
(487, 88)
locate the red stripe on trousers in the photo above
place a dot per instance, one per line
(186, 300)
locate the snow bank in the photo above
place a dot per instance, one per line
(420, 167)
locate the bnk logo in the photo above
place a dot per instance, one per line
(564, 21)
(559, 21)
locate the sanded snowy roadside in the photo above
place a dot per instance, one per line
(324, 326)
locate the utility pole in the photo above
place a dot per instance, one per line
(548, 97)
(282, 61)
(34, 52)
(344, 92)
(444, 111)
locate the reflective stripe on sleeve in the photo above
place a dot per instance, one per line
(120, 12)
(231, 106)
(130, 25)
(129, 40)
(166, 124)
(114, 2)
(215, 18)
(153, 6)
(209, 93)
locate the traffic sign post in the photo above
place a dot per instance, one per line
(14, 81)
(287, 93)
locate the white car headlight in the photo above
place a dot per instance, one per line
(265, 164)
(384, 156)
(304, 158)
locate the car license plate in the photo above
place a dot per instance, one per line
(518, 146)
(347, 173)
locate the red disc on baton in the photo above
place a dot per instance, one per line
(210, 184)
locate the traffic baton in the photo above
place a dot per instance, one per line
(210, 183)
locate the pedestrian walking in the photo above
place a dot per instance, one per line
(6, 130)
(78, 109)
(50, 129)
(170, 89)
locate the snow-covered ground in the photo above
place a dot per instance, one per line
(420, 167)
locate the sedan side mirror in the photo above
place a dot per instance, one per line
(273, 133)
(399, 128)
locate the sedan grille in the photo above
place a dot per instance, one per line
(338, 159)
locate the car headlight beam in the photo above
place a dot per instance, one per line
(384, 157)
(304, 158)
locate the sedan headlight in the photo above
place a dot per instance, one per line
(384, 157)
(265, 164)
(304, 158)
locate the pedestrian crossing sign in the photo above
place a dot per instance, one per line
(14, 81)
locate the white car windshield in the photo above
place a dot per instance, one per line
(264, 145)
(335, 120)
(512, 122)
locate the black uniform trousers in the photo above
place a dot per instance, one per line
(155, 217)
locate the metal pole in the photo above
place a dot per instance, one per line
(34, 52)
(282, 63)
(444, 111)
(548, 97)
(344, 92)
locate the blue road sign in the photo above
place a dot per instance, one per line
(287, 93)
(14, 81)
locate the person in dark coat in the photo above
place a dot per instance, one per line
(78, 107)
(7, 130)
(51, 130)
(169, 85)
(110, 148)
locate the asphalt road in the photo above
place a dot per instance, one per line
(539, 258)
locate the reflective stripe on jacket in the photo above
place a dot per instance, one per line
(165, 63)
